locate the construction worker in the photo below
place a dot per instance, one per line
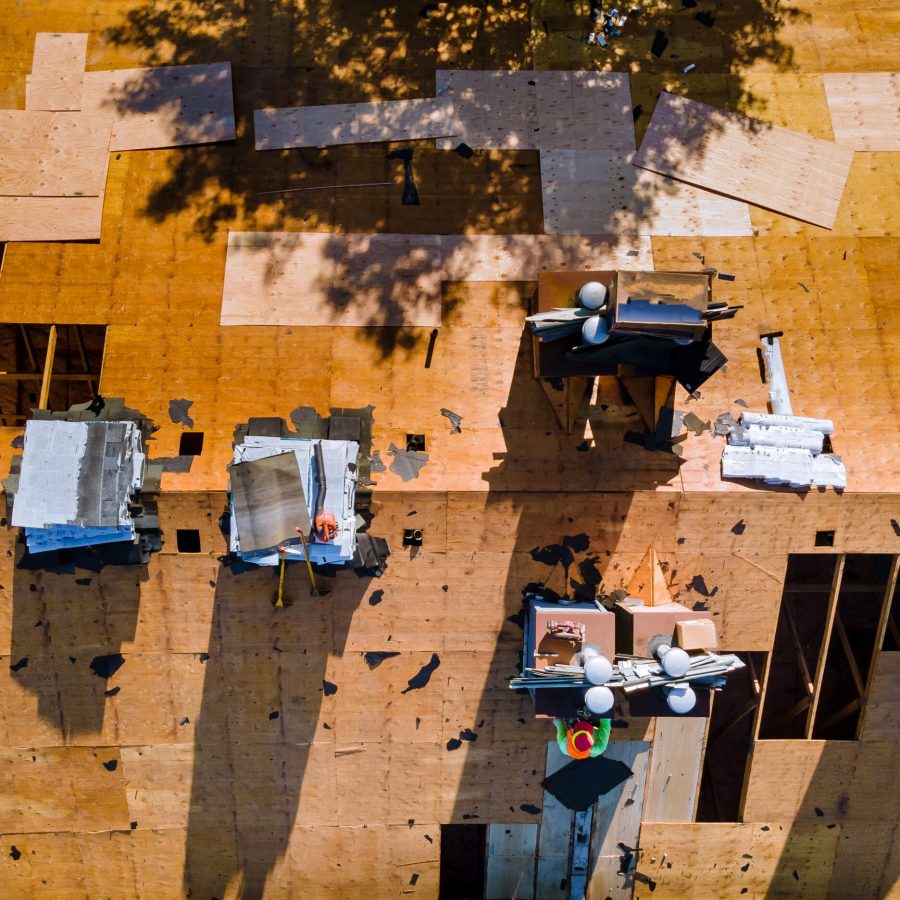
(581, 739)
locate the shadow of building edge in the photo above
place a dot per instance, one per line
(56, 632)
(246, 784)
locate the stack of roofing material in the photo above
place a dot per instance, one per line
(781, 448)
(270, 501)
(77, 480)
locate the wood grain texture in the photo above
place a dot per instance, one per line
(53, 154)
(617, 822)
(510, 861)
(164, 106)
(56, 81)
(601, 192)
(520, 257)
(554, 836)
(29, 219)
(710, 859)
(274, 278)
(539, 110)
(883, 708)
(673, 777)
(864, 109)
(771, 167)
(354, 123)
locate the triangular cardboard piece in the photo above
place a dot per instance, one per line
(649, 582)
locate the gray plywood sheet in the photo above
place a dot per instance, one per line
(269, 503)
(554, 836)
(354, 123)
(164, 106)
(771, 167)
(617, 821)
(510, 861)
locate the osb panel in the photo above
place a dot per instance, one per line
(698, 860)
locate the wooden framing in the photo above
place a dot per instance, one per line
(826, 641)
(48, 369)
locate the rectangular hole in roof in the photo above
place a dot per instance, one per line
(187, 540)
(191, 443)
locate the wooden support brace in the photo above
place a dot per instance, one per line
(798, 646)
(851, 659)
(48, 369)
(842, 714)
(826, 641)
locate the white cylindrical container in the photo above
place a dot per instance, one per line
(594, 330)
(598, 669)
(592, 295)
(599, 699)
(680, 699)
(674, 660)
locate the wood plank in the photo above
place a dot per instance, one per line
(56, 81)
(601, 192)
(676, 759)
(510, 861)
(164, 106)
(864, 109)
(516, 257)
(48, 369)
(354, 123)
(772, 167)
(617, 821)
(279, 278)
(830, 613)
(53, 154)
(53, 218)
(555, 835)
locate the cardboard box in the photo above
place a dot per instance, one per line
(637, 625)
(696, 634)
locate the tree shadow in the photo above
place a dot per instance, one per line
(284, 55)
(63, 619)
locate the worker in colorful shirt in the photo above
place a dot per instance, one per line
(581, 739)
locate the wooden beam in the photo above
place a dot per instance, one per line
(26, 340)
(826, 641)
(851, 659)
(48, 369)
(742, 713)
(85, 362)
(767, 668)
(842, 714)
(884, 622)
(798, 646)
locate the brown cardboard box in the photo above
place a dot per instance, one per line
(696, 634)
(637, 625)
